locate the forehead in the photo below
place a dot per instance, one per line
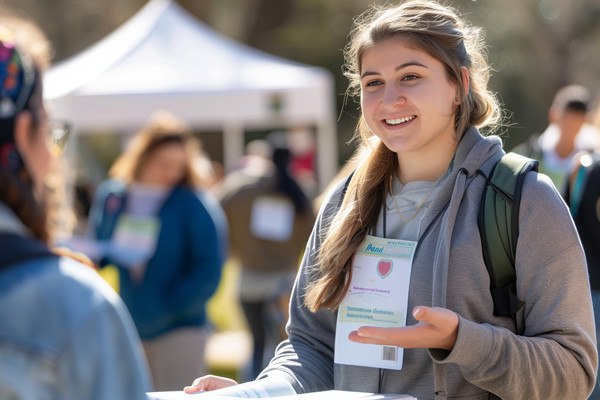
(395, 50)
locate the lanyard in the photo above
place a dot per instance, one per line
(427, 230)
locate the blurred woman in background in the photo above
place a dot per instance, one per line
(167, 238)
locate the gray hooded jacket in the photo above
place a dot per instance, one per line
(556, 357)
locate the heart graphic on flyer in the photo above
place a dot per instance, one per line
(384, 267)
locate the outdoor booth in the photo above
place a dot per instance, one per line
(165, 59)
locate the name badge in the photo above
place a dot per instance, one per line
(377, 296)
(134, 240)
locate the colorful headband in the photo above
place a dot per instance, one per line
(17, 81)
(17, 77)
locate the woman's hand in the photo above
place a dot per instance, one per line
(437, 329)
(208, 383)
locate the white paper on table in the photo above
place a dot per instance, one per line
(324, 395)
(260, 389)
(377, 296)
(346, 395)
(272, 218)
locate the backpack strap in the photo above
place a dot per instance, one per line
(498, 222)
(17, 249)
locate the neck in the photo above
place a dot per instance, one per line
(426, 165)
(565, 145)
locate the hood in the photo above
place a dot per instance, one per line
(9, 222)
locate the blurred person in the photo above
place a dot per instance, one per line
(301, 142)
(65, 334)
(167, 238)
(583, 198)
(422, 77)
(270, 219)
(567, 134)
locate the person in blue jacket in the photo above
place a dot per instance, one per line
(167, 237)
(64, 333)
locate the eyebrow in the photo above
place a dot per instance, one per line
(398, 68)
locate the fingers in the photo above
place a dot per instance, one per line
(437, 328)
(405, 337)
(208, 383)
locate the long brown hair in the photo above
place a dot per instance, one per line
(162, 129)
(438, 30)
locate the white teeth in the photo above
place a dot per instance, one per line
(399, 120)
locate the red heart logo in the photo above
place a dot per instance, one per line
(384, 267)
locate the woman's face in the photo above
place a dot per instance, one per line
(407, 99)
(165, 166)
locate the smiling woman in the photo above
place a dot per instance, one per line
(422, 79)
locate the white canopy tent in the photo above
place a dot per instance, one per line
(164, 58)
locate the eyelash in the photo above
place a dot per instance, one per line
(405, 78)
(373, 83)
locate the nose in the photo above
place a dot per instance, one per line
(393, 96)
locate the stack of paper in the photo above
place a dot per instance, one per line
(325, 395)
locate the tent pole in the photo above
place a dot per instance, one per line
(233, 144)
(327, 153)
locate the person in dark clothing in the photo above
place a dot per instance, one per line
(270, 219)
(583, 197)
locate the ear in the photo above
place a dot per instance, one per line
(22, 134)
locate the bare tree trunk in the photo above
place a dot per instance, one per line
(265, 18)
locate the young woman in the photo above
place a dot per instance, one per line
(168, 240)
(422, 80)
(65, 334)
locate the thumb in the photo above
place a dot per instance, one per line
(423, 313)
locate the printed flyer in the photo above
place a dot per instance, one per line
(377, 296)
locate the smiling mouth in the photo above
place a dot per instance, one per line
(399, 121)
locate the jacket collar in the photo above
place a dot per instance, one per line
(9, 222)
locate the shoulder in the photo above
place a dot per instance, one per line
(110, 188)
(541, 201)
(57, 295)
(78, 289)
(240, 185)
(538, 185)
(201, 201)
(194, 197)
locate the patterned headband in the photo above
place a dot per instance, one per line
(17, 77)
(17, 81)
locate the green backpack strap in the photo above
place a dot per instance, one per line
(498, 222)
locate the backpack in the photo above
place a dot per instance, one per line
(498, 222)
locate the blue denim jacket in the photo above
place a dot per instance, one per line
(64, 333)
